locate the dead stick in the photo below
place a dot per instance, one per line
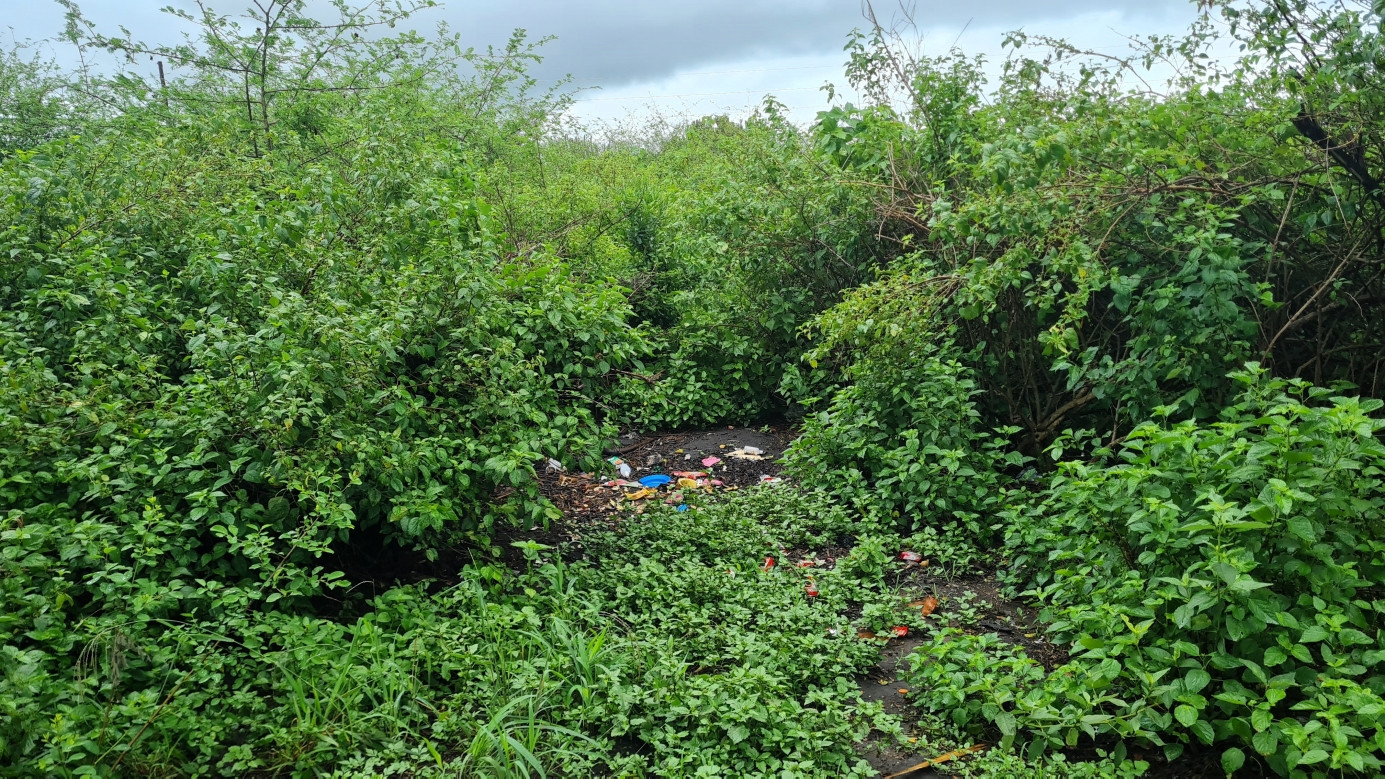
(953, 755)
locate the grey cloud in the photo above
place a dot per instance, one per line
(614, 42)
(617, 42)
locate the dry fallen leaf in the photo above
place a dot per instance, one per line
(925, 606)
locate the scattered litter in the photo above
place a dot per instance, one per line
(903, 691)
(910, 557)
(812, 589)
(899, 631)
(807, 563)
(925, 606)
(769, 563)
(622, 467)
(634, 483)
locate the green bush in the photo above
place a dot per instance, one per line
(1221, 582)
(907, 438)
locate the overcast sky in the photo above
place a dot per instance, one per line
(696, 57)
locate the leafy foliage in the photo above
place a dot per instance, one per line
(1225, 575)
(328, 294)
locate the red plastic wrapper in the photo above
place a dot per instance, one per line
(769, 563)
(912, 557)
(899, 631)
(812, 590)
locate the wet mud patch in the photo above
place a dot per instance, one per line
(883, 684)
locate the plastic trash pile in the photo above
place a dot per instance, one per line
(676, 487)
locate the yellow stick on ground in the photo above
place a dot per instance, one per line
(953, 755)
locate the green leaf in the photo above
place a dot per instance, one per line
(1196, 680)
(1232, 760)
(1353, 637)
(1313, 756)
(1303, 528)
(1313, 634)
(1185, 714)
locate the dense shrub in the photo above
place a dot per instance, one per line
(1220, 582)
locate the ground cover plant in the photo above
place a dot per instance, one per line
(287, 341)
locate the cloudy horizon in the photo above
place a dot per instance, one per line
(713, 56)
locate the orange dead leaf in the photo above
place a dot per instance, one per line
(925, 606)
